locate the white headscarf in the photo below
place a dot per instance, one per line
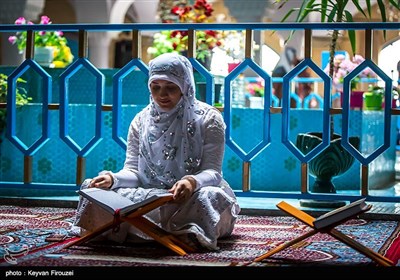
(170, 142)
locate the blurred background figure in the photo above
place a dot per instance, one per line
(286, 63)
(398, 74)
(303, 89)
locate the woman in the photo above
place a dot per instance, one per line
(175, 144)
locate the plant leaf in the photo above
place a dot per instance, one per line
(331, 16)
(395, 4)
(351, 32)
(382, 10)
(324, 8)
(383, 14)
(361, 10)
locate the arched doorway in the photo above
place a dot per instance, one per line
(387, 62)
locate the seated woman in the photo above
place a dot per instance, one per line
(175, 144)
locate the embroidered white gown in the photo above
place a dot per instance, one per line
(208, 215)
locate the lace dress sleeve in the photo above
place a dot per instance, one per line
(210, 173)
(128, 177)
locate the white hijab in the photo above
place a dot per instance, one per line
(170, 142)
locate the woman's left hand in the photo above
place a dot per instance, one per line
(183, 189)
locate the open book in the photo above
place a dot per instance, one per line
(342, 213)
(116, 203)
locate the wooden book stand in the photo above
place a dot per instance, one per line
(308, 220)
(146, 226)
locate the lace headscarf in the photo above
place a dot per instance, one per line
(170, 142)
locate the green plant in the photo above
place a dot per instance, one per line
(55, 39)
(21, 99)
(380, 91)
(336, 11)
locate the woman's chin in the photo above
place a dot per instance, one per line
(165, 105)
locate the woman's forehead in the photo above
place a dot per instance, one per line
(159, 81)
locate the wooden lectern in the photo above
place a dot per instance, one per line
(329, 229)
(146, 226)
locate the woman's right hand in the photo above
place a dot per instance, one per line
(183, 189)
(104, 181)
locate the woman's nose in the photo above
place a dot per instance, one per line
(163, 92)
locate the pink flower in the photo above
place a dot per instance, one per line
(20, 20)
(343, 66)
(358, 59)
(256, 88)
(12, 39)
(45, 20)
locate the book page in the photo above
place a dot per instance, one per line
(107, 199)
(341, 209)
(341, 214)
(113, 202)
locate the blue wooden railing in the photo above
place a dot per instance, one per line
(29, 186)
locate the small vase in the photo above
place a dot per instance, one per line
(356, 99)
(256, 102)
(44, 55)
(372, 101)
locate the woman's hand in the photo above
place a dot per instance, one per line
(104, 181)
(183, 189)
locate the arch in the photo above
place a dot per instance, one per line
(119, 10)
(146, 12)
(386, 61)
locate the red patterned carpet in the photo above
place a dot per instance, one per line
(23, 233)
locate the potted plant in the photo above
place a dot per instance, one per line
(373, 98)
(255, 94)
(336, 11)
(21, 100)
(375, 95)
(177, 41)
(51, 47)
(344, 65)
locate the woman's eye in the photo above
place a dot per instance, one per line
(172, 89)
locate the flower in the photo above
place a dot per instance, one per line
(256, 88)
(62, 53)
(343, 65)
(176, 41)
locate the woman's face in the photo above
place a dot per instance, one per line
(165, 93)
